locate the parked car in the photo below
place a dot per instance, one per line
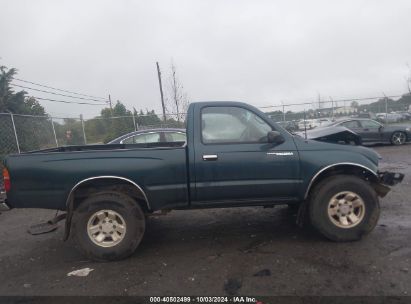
(321, 122)
(306, 124)
(290, 126)
(313, 123)
(235, 156)
(372, 131)
(405, 116)
(333, 134)
(151, 136)
(369, 115)
(389, 117)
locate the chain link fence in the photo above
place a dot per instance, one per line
(22, 133)
(8, 142)
(376, 108)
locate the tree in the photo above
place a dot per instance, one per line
(70, 132)
(147, 120)
(116, 122)
(17, 103)
(177, 99)
(354, 104)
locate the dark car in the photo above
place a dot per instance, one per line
(151, 136)
(332, 134)
(372, 131)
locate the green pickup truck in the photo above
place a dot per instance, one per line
(234, 156)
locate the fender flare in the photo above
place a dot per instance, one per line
(307, 191)
(69, 200)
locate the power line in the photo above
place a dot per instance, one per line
(48, 92)
(48, 87)
(74, 102)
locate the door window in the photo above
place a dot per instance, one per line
(232, 125)
(142, 138)
(370, 124)
(174, 136)
(352, 124)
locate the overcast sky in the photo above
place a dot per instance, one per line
(261, 52)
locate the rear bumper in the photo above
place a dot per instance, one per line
(390, 178)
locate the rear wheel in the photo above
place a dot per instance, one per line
(398, 138)
(344, 208)
(108, 226)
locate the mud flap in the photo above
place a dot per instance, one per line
(46, 227)
(381, 189)
(302, 214)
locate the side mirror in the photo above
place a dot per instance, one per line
(275, 137)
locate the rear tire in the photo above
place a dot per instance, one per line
(344, 208)
(108, 226)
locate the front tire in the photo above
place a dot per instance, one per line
(108, 226)
(344, 208)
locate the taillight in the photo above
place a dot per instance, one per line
(6, 178)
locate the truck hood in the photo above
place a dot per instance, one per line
(314, 145)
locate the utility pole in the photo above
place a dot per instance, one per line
(82, 126)
(134, 119)
(332, 107)
(386, 106)
(175, 93)
(283, 111)
(111, 105)
(161, 91)
(319, 101)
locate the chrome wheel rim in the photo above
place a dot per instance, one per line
(398, 138)
(346, 209)
(106, 228)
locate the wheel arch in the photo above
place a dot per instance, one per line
(96, 184)
(341, 168)
(105, 181)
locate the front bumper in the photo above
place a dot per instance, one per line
(390, 178)
(386, 179)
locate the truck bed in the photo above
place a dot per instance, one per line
(44, 178)
(108, 147)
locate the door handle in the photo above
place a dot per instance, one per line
(210, 157)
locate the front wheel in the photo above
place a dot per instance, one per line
(344, 208)
(108, 226)
(398, 138)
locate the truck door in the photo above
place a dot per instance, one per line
(234, 162)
